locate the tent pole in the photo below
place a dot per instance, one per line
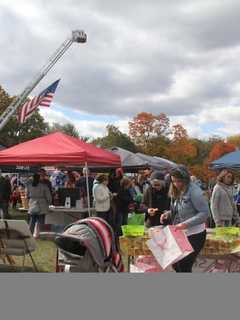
(88, 194)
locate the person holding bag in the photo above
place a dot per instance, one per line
(189, 211)
(39, 200)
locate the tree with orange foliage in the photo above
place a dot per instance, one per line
(219, 149)
(197, 171)
(181, 148)
(146, 126)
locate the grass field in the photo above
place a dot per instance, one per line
(44, 256)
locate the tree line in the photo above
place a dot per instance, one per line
(148, 133)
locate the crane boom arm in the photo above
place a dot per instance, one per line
(77, 36)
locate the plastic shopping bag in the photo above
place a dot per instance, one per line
(135, 226)
(136, 219)
(168, 245)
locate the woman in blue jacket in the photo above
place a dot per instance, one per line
(189, 212)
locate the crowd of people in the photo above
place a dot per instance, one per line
(175, 198)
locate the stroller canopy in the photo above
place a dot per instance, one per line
(94, 235)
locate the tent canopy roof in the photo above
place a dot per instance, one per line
(128, 158)
(230, 160)
(157, 163)
(58, 149)
(139, 160)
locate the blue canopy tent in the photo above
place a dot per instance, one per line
(228, 161)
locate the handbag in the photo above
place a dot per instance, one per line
(34, 207)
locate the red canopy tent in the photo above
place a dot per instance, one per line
(58, 149)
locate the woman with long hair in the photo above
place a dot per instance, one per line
(71, 180)
(223, 207)
(123, 200)
(189, 212)
(39, 200)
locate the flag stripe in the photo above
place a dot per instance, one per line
(42, 100)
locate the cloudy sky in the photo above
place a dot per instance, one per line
(178, 57)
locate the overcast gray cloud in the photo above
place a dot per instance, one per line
(178, 57)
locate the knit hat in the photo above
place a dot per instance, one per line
(181, 172)
(157, 175)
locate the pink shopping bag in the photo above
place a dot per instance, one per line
(147, 264)
(168, 245)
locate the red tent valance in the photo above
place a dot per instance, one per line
(58, 149)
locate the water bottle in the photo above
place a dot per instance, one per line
(68, 202)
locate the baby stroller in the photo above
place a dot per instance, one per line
(88, 245)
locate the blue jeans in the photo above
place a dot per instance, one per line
(121, 220)
(34, 218)
(226, 223)
(4, 207)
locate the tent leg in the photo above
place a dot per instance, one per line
(88, 194)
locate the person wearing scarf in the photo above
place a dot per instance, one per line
(223, 207)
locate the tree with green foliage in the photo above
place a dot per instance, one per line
(157, 146)
(67, 128)
(5, 100)
(115, 138)
(234, 140)
(14, 133)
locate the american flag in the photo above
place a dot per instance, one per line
(44, 99)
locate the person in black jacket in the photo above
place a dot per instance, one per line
(155, 199)
(5, 194)
(123, 200)
(45, 179)
(115, 177)
(81, 183)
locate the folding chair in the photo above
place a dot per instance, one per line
(16, 240)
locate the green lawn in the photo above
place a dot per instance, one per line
(44, 256)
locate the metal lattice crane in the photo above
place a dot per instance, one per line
(78, 36)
